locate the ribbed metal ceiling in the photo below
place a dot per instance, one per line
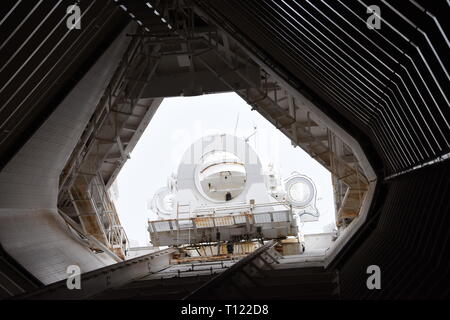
(392, 82)
(41, 59)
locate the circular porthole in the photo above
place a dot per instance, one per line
(163, 202)
(221, 176)
(300, 191)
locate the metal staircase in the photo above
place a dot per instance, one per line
(260, 275)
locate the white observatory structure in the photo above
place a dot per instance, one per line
(221, 193)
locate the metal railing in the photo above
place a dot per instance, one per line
(205, 224)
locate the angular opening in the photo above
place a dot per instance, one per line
(146, 187)
(219, 88)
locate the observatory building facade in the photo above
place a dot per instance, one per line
(221, 193)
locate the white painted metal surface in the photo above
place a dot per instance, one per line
(31, 230)
(221, 193)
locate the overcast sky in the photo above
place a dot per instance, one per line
(181, 121)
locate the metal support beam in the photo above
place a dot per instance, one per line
(97, 281)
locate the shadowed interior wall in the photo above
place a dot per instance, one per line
(31, 230)
(411, 242)
(390, 89)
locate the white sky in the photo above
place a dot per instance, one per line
(181, 121)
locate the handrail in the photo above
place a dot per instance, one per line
(260, 205)
(212, 216)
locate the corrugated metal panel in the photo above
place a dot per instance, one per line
(239, 219)
(161, 226)
(204, 222)
(262, 218)
(41, 59)
(280, 216)
(393, 83)
(224, 221)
